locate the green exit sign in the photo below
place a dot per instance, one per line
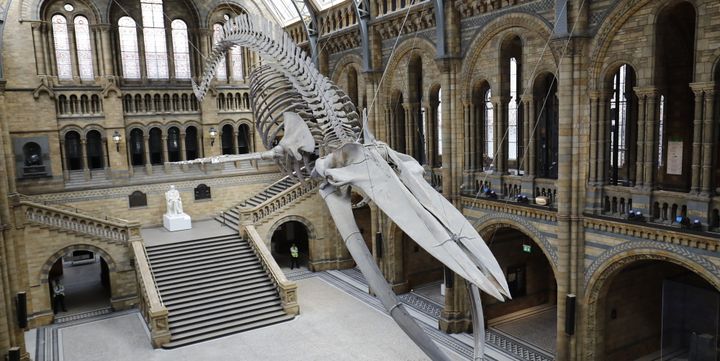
(527, 248)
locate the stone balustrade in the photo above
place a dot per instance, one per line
(73, 220)
(337, 18)
(504, 206)
(151, 306)
(259, 213)
(653, 232)
(468, 8)
(287, 289)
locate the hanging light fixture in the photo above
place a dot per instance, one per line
(213, 134)
(116, 137)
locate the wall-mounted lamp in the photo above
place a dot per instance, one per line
(116, 137)
(213, 134)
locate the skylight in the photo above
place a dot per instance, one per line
(284, 10)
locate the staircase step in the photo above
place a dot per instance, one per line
(218, 304)
(229, 329)
(226, 273)
(225, 313)
(218, 296)
(193, 295)
(211, 325)
(224, 266)
(194, 243)
(204, 249)
(200, 262)
(171, 291)
(201, 255)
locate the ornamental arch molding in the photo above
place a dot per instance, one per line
(421, 46)
(487, 224)
(45, 269)
(353, 60)
(312, 234)
(522, 22)
(607, 266)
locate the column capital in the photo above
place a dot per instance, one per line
(502, 99)
(526, 98)
(646, 91)
(100, 27)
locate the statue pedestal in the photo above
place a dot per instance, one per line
(176, 222)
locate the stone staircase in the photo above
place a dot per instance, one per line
(231, 216)
(213, 287)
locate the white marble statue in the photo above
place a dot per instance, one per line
(173, 201)
(174, 218)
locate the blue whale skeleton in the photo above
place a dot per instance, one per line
(322, 131)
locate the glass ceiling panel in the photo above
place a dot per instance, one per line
(285, 11)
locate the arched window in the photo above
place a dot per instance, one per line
(84, 50)
(221, 70)
(352, 85)
(181, 50)
(227, 139)
(546, 128)
(438, 128)
(244, 145)
(154, 35)
(191, 143)
(129, 48)
(173, 144)
(513, 111)
(489, 131)
(63, 59)
(73, 151)
(623, 124)
(156, 148)
(137, 147)
(95, 158)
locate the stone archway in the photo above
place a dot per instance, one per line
(83, 272)
(531, 314)
(283, 235)
(613, 267)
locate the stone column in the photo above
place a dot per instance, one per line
(107, 56)
(409, 134)
(500, 107)
(532, 149)
(38, 41)
(146, 153)
(183, 155)
(96, 50)
(45, 45)
(526, 130)
(128, 148)
(604, 125)
(640, 151)
(594, 126)
(708, 132)
(468, 126)
(83, 155)
(651, 140)
(73, 52)
(165, 152)
(697, 139)
(63, 156)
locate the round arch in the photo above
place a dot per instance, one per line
(312, 233)
(483, 38)
(609, 264)
(419, 46)
(45, 269)
(340, 67)
(486, 225)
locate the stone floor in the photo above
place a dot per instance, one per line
(84, 292)
(538, 329)
(200, 229)
(332, 326)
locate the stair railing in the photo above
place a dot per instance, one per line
(286, 288)
(258, 213)
(152, 307)
(73, 220)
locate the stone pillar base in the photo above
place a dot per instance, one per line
(454, 322)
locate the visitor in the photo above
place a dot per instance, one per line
(58, 296)
(294, 256)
